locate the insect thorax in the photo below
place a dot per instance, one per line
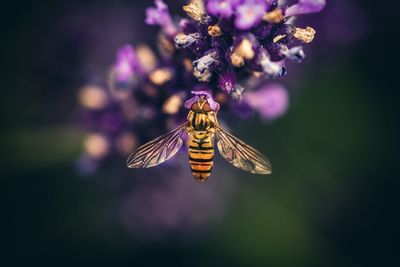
(201, 121)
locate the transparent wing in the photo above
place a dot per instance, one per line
(158, 150)
(240, 154)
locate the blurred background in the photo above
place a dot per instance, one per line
(331, 201)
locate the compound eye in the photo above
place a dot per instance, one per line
(206, 107)
(195, 107)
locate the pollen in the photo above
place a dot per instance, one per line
(245, 49)
(278, 38)
(274, 16)
(306, 35)
(214, 30)
(195, 9)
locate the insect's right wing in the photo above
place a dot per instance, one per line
(158, 150)
(241, 155)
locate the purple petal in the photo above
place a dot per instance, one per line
(305, 7)
(126, 63)
(159, 15)
(226, 82)
(223, 8)
(271, 101)
(249, 15)
(197, 94)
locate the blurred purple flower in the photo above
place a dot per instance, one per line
(249, 14)
(194, 51)
(223, 8)
(126, 63)
(226, 82)
(271, 101)
(159, 15)
(305, 7)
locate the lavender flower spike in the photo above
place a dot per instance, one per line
(202, 93)
(224, 46)
(305, 7)
(159, 15)
(271, 101)
(249, 14)
(223, 8)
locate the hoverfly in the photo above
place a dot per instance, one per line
(201, 127)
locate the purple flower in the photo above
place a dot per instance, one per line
(223, 8)
(249, 14)
(226, 82)
(159, 15)
(126, 63)
(271, 101)
(225, 53)
(305, 7)
(202, 93)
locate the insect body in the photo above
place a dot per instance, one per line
(202, 128)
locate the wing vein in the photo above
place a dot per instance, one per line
(240, 154)
(158, 150)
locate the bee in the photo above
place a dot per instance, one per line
(201, 128)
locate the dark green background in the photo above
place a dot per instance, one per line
(332, 200)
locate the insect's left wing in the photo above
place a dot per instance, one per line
(157, 151)
(241, 155)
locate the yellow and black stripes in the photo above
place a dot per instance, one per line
(201, 154)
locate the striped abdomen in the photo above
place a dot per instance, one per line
(201, 154)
